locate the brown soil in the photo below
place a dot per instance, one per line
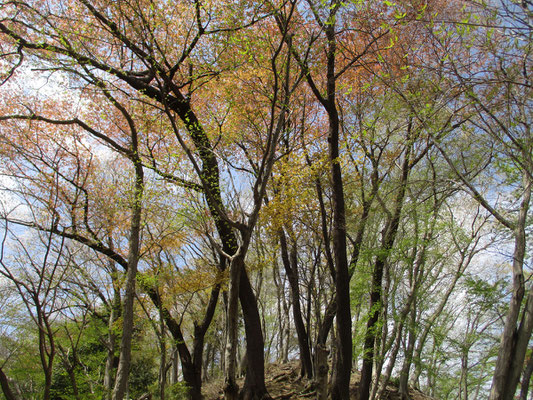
(283, 383)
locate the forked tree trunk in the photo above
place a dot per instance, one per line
(191, 364)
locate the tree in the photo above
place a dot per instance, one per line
(163, 84)
(196, 153)
(38, 287)
(497, 90)
(324, 88)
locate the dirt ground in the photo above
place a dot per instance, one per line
(284, 383)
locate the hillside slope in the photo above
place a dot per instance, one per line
(283, 383)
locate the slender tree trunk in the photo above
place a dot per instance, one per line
(389, 235)
(175, 366)
(73, 381)
(392, 360)
(281, 315)
(291, 269)
(526, 378)
(464, 376)
(321, 364)
(309, 305)
(47, 352)
(112, 337)
(207, 361)
(340, 385)
(123, 371)
(231, 388)
(370, 335)
(404, 373)
(381, 336)
(191, 365)
(286, 333)
(465, 261)
(162, 358)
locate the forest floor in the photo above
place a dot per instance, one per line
(284, 383)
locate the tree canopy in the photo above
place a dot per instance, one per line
(194, 190)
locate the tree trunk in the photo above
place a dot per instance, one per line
(465, 261)
(231, 388)
(254, 384)
(207, 361)
(123, 371)
(111, 336)
(341, 383)
(73, 381)
(510, 356)
(46, 352)
(321, 372)
(526, 377)
(6, 389)
(175, 366)
(193, 378)
(389, 235)
(408, 359)
(191, 365)
(370, 335)
(162, 358)
(392, 360)
(464, 376)
(382, 346)
(280, 296)
(522, 340)
(291, 269)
